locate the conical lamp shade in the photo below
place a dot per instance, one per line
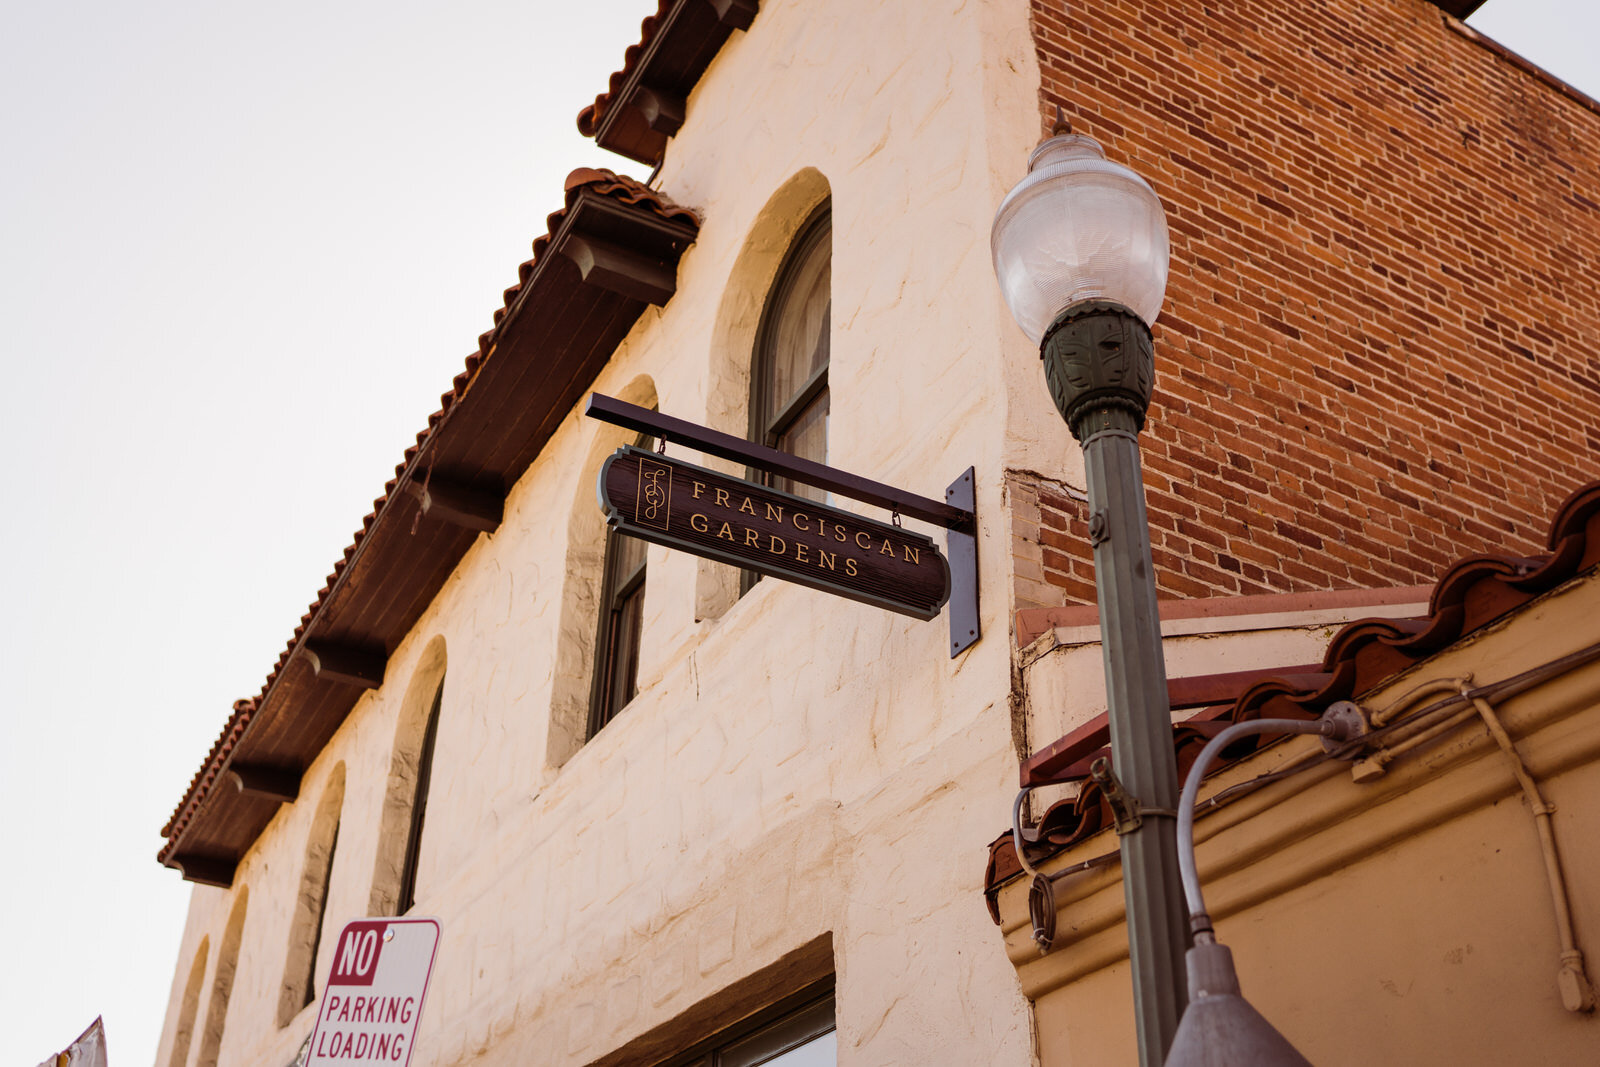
(1220, 1028)
(1225, 1031)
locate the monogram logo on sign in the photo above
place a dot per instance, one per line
(655, 494)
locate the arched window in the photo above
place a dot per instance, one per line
(397, 866)
(419, 806)
(222, 982)
(310, 909)
(189, 1006)
(789, 374)
(595, 657)
(616, 644)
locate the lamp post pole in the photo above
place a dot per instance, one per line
(1099, 363)
(1081, 253)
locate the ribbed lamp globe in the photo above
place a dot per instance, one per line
(1079, 228)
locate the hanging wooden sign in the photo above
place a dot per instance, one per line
(916, 586)
(682, 506)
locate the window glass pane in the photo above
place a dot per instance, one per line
(630, 555)
(797, 337)
(801, 1039)
(806, 436)
(822, 1052)
(616, 665)
(625, 665)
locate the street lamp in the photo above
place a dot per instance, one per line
(1081, 250)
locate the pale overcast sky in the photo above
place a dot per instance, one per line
(245, 248)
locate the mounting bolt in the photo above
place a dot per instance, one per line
(1097, 528)
(1343, 722)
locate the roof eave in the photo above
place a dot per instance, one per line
(531, 369)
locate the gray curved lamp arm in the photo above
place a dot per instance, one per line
(1199, 920)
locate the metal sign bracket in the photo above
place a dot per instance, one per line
(1128, 811)
(961, 551)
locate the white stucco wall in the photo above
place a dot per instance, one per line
(795, 765)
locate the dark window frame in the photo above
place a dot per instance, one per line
(617, 591)
(407, 898)
(786, 1025)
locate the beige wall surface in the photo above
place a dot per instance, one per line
(795, 766)
(1402, 919)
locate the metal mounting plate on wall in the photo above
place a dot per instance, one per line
(961, 552)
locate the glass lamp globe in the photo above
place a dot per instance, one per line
(1079, 228)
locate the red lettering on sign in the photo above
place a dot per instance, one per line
(388, 961)
(355, 959)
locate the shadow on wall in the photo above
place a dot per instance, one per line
(189, 1006)
(305, 930)
(222, 982)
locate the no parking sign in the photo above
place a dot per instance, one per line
(373, 999)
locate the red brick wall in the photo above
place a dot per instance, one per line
(1380, 343)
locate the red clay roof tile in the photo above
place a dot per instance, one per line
(644, 102)
(589, 117)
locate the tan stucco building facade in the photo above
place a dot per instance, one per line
(798, 793)
(1400, 903)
